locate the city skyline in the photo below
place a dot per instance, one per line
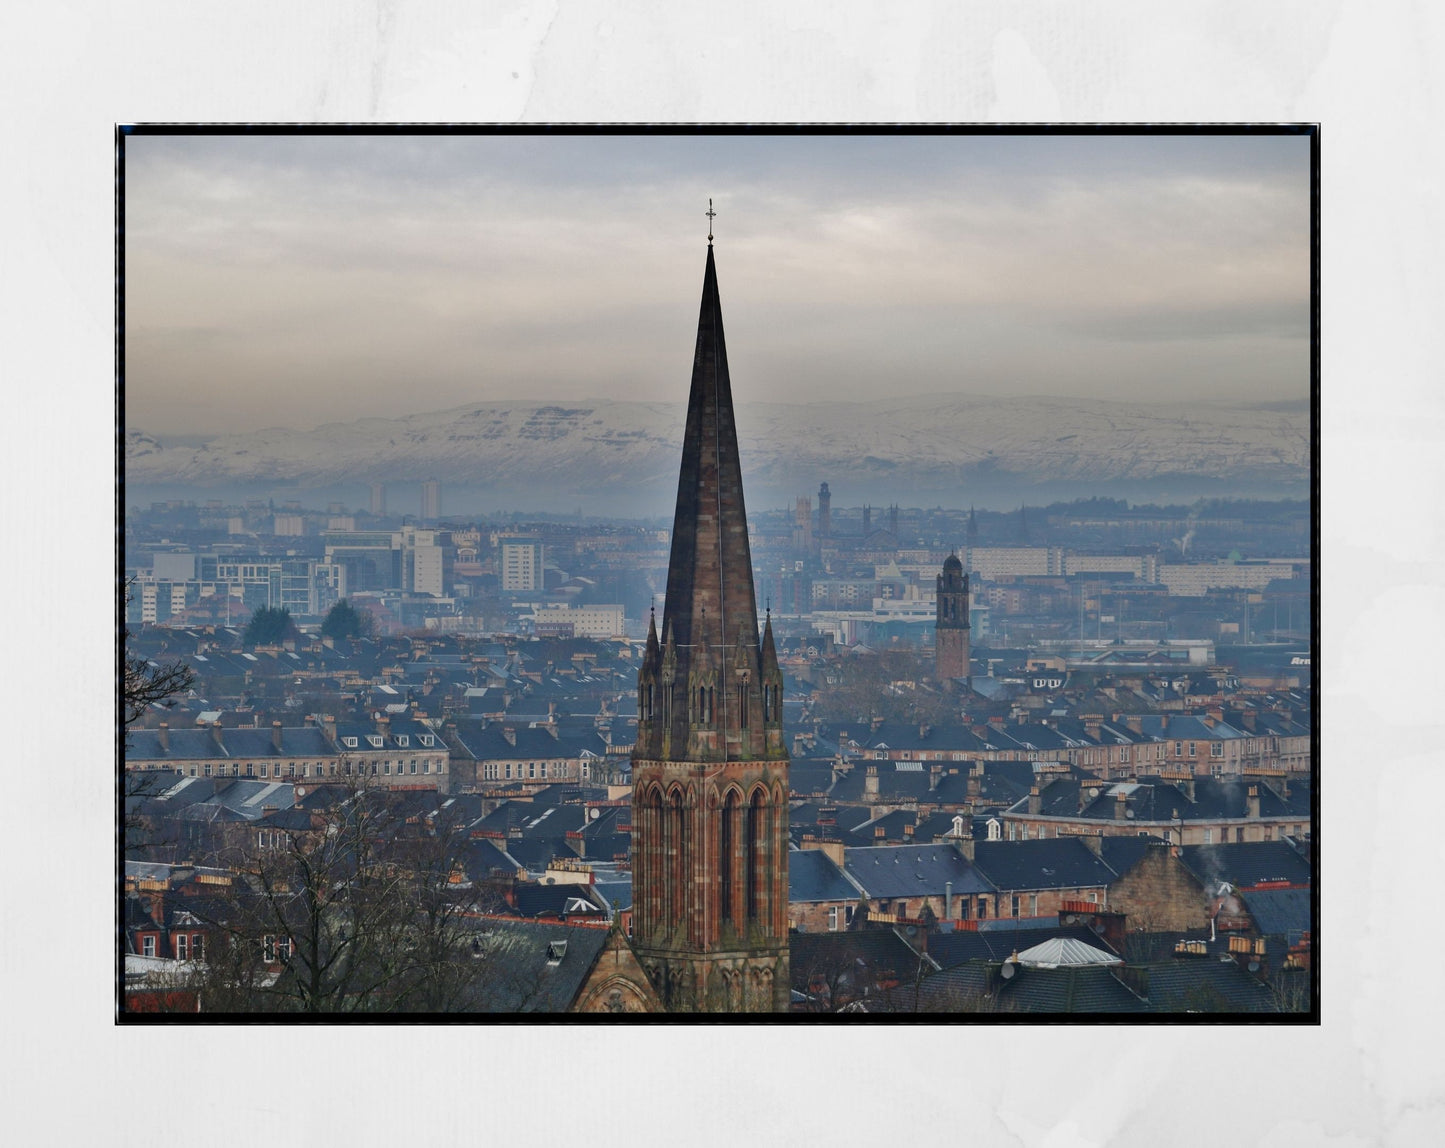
(303, 279)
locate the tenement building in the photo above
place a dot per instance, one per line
(710, 769)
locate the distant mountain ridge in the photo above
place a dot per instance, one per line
(913, 444)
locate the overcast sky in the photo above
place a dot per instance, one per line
(275, 280)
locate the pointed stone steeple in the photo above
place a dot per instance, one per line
(711, 610)
(709, 767)
(710, 569)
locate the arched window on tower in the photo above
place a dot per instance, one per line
(756, 819)
(678, 885)
(727, 909)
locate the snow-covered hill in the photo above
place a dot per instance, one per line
(908, 445)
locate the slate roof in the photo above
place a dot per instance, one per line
(808, 779)
(1052, 863)
(559, 901)
(527, 970)
(1279, 912)
(890, 871)
(812, 877)
(487, 741)
(1154, 800)
(1085, 989)
(1247, 863)
(480, 858)
(861, 958)
(1208, 985)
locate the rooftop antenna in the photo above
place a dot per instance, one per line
(710, 213)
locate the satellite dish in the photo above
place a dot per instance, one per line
(1098, 927)
(1093, 791)
(1069, 918)
(300, 791)
(1254, 966)
(1008, 970)
(595, 814)
(911, 930)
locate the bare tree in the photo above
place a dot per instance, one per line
(145, 683)
(351, 909)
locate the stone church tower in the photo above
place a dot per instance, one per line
(710, 767)
(950, 624)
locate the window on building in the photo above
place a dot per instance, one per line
(183, 947)
(413, 765)
(426, 766)
(531, 769)
(197, 946)
(1193, 745)
(1014, 905)
(832, 918)
(1209, 837)
(509, 770)
(386, 768)
(266, 768)
(982, 908)
(148, 946)
(544, 769)
(1033, 904)
(249, 769)
(268, 948)
(1216, 749)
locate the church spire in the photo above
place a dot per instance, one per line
(710, 570)
(709, 766)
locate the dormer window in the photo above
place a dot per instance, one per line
(349, 742)
(402, 740)
(428, 740)
(374, 740)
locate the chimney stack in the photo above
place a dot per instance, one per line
(216, 735)
(276, 736)
(165, 736)
(1036, 801)
(1251, 802)
(966, 846)
(1094, 843)
(948, 900)
(1121, 803)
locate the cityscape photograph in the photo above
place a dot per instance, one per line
(505, 634)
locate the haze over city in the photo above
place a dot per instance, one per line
(301, 280)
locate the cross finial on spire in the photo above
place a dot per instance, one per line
(710, 213)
